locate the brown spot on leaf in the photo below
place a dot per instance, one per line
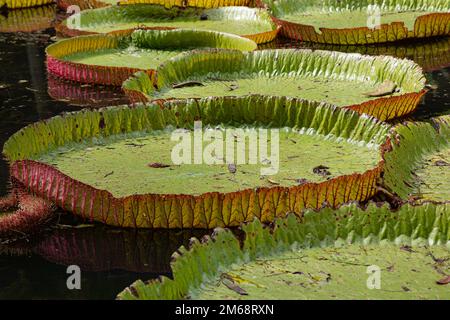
(158, 165)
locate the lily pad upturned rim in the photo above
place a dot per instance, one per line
(82, 4)
(263, 37)
(207, 4)
(430, 54)
(350, 224)
(424, 27)
(192, 211)
(411, 142)
(19, 4)
(405, 73)
(111, 75)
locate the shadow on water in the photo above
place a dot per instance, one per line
(111, 259)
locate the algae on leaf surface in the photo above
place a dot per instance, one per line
(116, 164)
(418, 168)
(338, 273)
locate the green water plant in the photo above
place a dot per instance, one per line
(356, 22)
(383, 87)
(115, 165)
(418, 168)
(111, 59)
(330, 254)
(252, 23)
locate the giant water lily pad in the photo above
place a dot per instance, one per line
(90, 4)
(110, 59)
(17, 4)
(356, 22)
(28, 20)
(431, 55)
(252, 23)
(323, 255)
(383, 87)
(115, 165)
(418, 168)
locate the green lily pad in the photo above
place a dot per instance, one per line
(431, 55)
(336, 78)
(418, 168)
(116, 165)
(252, 23)
(110, 59)
(330, 254)
(128, 159)
(360, 22)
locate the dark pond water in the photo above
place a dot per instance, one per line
(111, 259)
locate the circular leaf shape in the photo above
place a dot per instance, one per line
(359, 22)
(383, 87)
(115, 165)
(252, 23)
(111, 59)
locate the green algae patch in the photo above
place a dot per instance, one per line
(128, 57)
(418, 167)
(316, 256)
(337, 92)
(253, 23)
(338, 273)
(351, 19)
(116, 164)
(345, 80)
(433, 176)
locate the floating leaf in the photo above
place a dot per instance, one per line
(142, 198)
(280, 72)
(339, 248)
(251, 23)
(355, 22)
(111, 59)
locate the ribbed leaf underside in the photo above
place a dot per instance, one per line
(59, 55)
(214, 67)
(434, 20)
(85, 4)
(191, 211)
(17, 4)
(252, 23)
(412, 145)
(28, 20)
(430, 55)
(191, 3)
(428, 224)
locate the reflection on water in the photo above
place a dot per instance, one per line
(85, 95)
(107, 257)
(111, 259)
(28, 19)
